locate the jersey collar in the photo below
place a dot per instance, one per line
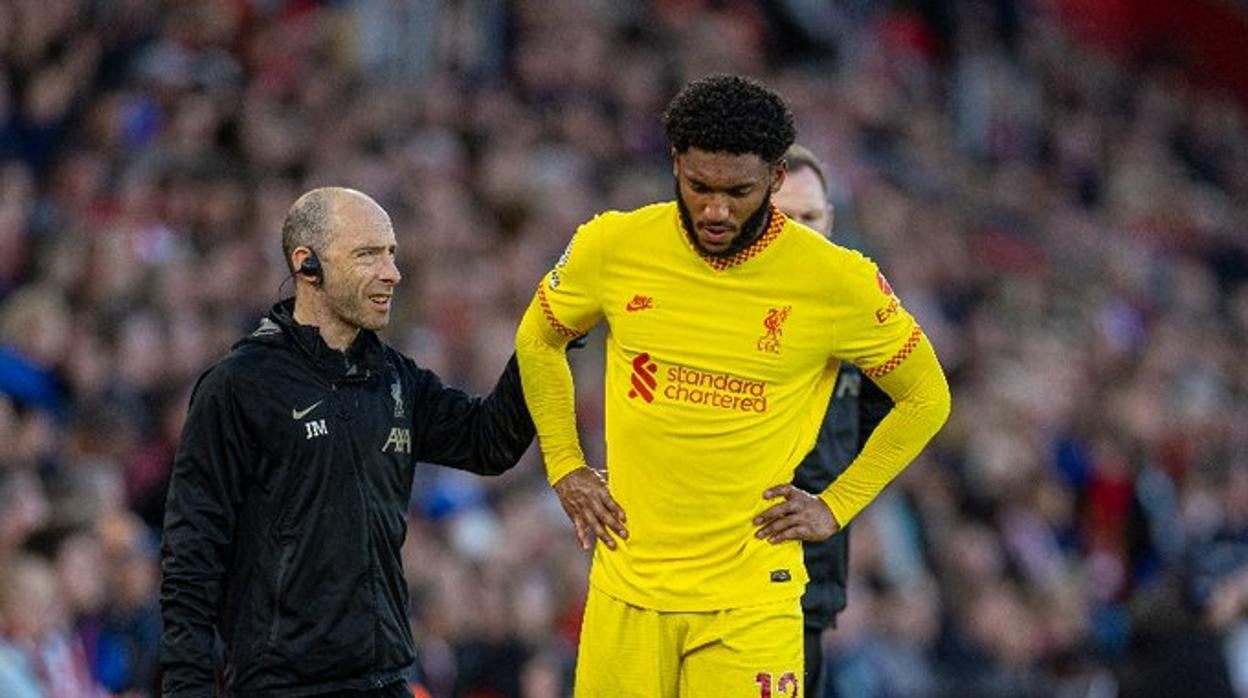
(775, 223)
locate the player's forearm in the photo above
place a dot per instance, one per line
(549, 393)
(922, 403)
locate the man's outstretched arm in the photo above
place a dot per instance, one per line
(550, 394)
(486, 435)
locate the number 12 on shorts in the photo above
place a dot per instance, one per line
(787, 686)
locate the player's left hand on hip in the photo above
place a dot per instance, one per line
(589, 504)
(800, 516)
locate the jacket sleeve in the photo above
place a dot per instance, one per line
(873, 406)
(481, 434)
(205, 493)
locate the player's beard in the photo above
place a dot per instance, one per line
(750, 230)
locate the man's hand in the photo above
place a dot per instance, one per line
(585, 498)
(801, 516)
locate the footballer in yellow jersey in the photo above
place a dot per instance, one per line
(727, 325)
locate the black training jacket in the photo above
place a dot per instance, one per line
(286, 508)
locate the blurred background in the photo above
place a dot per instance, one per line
(1058, 189)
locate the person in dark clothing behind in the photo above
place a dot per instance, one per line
(856, 406)
(287, 500)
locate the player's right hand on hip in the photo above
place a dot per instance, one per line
(589, 504)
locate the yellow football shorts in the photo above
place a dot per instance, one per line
(748, 652)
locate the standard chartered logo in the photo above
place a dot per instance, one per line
(643, 379)
(696, 387)
(713, 389)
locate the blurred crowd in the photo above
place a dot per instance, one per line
(1070, 229)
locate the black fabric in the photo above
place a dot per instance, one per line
(814, 662)
(873, 405)
(287, 502)
(399, 689)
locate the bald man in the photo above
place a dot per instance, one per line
(287, 503)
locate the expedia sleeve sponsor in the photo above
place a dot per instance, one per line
(879, 333)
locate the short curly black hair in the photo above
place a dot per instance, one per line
(730, 114)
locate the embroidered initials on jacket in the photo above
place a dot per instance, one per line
(315, 428)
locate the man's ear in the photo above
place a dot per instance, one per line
(298, 255)
(307, 264)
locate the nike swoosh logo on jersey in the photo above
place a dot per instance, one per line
(300, 414)
(639, 302)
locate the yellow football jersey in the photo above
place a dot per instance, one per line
(718, 375)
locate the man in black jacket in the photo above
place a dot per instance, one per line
(857, 405)
(286, 506)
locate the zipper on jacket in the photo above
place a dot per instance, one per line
(362, 481)
(283, 567)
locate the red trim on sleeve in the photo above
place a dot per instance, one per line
(895, 360)
(550, 315)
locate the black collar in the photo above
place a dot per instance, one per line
(361, 360)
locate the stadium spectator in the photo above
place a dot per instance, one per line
(37, 644)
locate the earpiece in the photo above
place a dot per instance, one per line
(311, 267)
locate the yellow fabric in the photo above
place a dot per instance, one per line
(717, 379)
(548, 391)
(920, 405)
(632, 652)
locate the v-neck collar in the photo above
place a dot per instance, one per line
(775, 223)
